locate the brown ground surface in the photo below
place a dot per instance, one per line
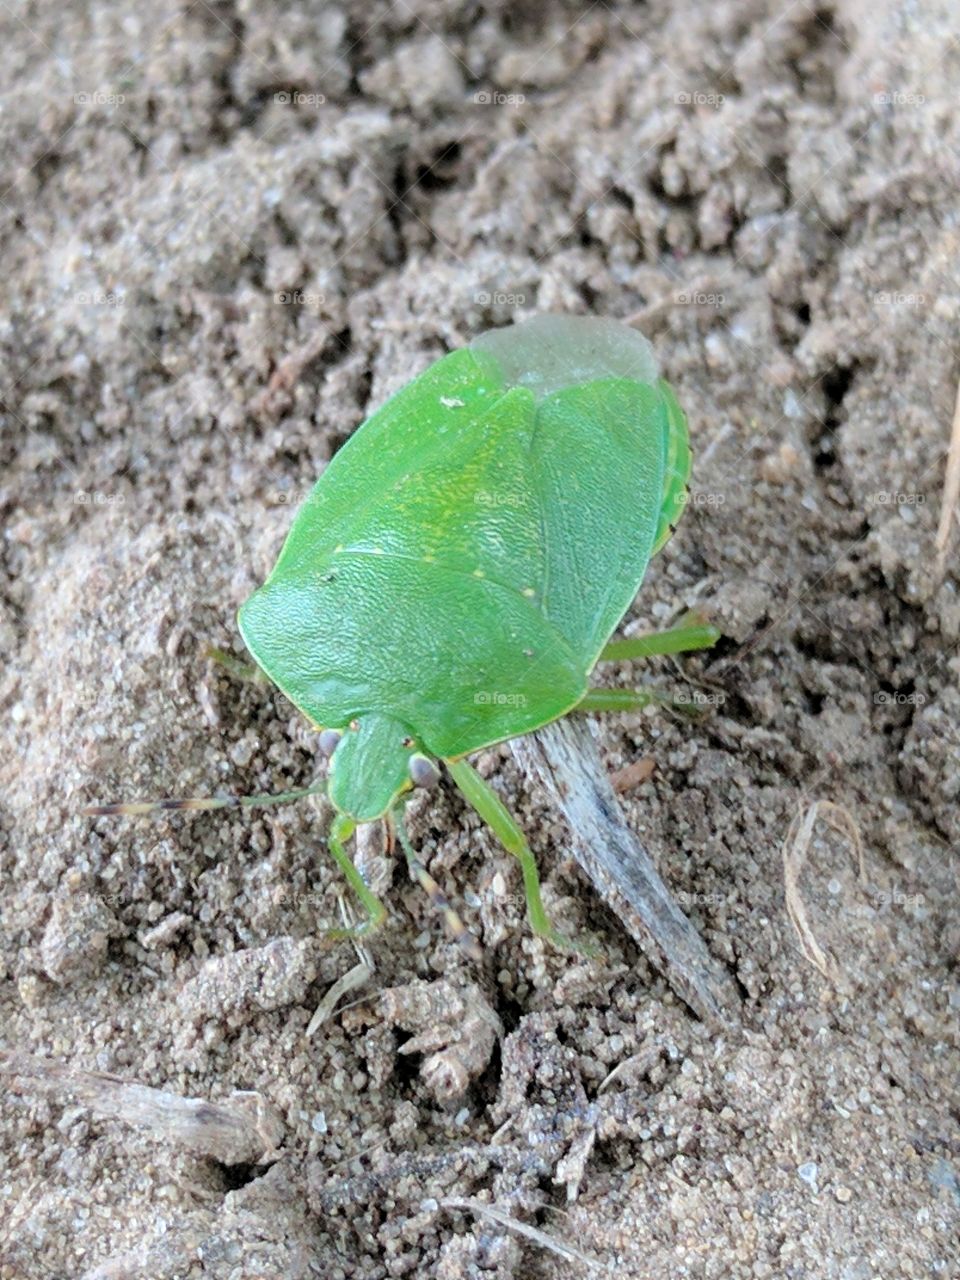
(773, 186)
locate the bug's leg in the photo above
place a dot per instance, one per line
(438, 899)
(636, 700)
(618, 699)
(692, 633)
(495, 814)
(235, 666)
(388, 837)
(194, 804)
(340, 832)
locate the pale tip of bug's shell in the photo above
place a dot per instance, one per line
(548, 353)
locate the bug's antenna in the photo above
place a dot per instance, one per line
(212, 802)
(438, 899)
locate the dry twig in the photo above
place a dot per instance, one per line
(541, 1238)
(795, 850)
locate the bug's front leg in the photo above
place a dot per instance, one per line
(457, 930)
(495, 814)
(340, 832)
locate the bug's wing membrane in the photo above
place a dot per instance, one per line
(601, 516)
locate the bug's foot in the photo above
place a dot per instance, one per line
(562, 943)
(689, 707)
(354, 932)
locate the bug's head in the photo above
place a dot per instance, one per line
(372, 762)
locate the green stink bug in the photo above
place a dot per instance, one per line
(458, 570)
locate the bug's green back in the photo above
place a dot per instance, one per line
(598, 482)
(465, 556)
(376, 604)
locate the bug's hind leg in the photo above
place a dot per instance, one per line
(438, 899)
(494, 813)
(693, 632)
(636, 699)
(340, 832)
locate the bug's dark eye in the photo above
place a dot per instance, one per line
(407, 742)
(328, 741)
(423, 772)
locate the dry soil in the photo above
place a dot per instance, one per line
(231, 229)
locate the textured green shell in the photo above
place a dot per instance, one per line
(460, 564)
